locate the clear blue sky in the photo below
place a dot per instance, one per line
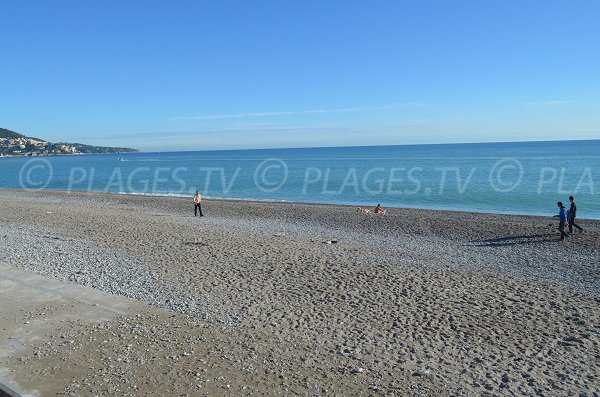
(193, 75)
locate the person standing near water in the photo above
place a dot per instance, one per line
(562, 218)
(572, 215)
(197, 203)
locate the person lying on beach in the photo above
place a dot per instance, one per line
(379, 210)
(363, 210)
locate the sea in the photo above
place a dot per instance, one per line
(526, 178)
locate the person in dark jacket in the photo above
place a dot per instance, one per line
(572, 215)
(562, 217)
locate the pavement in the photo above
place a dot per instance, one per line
(32, 307)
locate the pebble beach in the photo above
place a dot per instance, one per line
(259, 298)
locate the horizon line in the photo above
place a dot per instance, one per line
(365, 146)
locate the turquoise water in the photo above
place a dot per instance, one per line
(517, 178)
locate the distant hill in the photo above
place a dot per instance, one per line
(15, 144)
(82, 148)
(4, 133)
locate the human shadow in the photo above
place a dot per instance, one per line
(196, 243)
(514, 240)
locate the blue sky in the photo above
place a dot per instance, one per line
(193, 75)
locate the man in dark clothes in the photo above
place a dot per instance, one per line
(572, 215)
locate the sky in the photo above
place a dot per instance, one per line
(199, 75)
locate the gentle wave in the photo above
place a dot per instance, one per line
(190, 196)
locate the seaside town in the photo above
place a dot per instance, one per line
(32, 147)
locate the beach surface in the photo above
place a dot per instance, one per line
(261, 298)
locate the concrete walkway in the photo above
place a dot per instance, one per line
(32, 308)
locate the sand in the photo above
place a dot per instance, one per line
(296, 299)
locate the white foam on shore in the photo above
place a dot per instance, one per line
(181, 195)
(350, 204)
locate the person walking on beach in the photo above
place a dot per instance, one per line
(197, 204)
(572, 215)
(562, 217)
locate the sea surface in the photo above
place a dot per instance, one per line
(515, 178)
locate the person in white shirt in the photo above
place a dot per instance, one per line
(197, 204)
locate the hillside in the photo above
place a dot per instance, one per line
(15, 144)
(4, 133)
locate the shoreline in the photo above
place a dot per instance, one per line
(63, 154)
(308, 203)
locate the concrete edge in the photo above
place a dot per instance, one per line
(6, 389)
(65, 289)
(113, 305)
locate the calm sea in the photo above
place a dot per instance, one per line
(516, 178)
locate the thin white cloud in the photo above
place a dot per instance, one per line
(236, 115)
(548, 103)
(558, 103)
(300, 112)
(237, 128)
